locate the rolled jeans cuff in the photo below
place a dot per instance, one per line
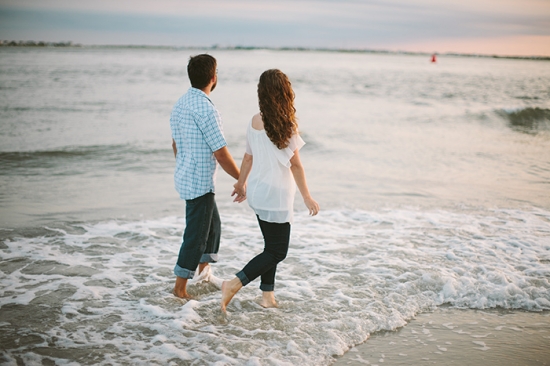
(183, 272)
(209, 258)
(267, 288)
(244, 280)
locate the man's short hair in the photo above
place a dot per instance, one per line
(201, 69)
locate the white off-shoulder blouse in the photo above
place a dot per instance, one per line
(271, 187)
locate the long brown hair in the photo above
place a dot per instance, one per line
(276, 99)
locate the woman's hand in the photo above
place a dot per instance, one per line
(240, 191)
(240, 186)
(312, 206)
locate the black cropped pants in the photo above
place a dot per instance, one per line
(276, 241)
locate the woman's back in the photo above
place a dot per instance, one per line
(271, 186)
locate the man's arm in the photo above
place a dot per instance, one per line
(174, 147)
(226, 161)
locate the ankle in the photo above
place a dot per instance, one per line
(235, 283)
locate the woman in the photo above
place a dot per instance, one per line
(272, 160)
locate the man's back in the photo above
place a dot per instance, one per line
(197, 131)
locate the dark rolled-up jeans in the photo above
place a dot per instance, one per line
(201, 238)
(276, 240)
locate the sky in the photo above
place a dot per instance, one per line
(499, 27)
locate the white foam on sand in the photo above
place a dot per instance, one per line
(107, 286)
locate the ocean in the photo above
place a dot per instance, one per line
(433, 182)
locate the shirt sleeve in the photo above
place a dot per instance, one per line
(296, 143)
(210, 126)
(284, 155)
(174, 117)
(248, 148)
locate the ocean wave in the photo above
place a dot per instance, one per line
(528, 120)
(54, 109)
(107, 285)
(82, 160)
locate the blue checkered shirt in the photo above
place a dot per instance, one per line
(197, 129)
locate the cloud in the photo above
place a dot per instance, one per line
(307, 23)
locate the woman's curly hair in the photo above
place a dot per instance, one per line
(276, 99)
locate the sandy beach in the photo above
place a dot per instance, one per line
(450, 336)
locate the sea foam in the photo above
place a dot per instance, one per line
(99, 292)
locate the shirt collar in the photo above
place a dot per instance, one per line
(199, 92)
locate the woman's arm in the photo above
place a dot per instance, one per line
(240, 186)
(299, 174)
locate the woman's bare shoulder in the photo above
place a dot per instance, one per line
(257, 122)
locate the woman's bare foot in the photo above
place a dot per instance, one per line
(229, 289)
(268, 300)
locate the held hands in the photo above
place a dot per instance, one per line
(312, 206)
(240, 191)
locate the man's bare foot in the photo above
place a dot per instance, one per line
(268, 300)
(180, 289)
(184, 295)
(229, 289)
(202, 266)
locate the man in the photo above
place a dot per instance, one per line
(199, 144)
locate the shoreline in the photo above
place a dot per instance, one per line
(451, 336)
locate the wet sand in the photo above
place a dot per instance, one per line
(451, 336)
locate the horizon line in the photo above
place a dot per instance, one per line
(5, 43)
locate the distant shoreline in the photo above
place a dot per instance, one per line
(43, 44)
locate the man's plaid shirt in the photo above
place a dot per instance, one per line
(197, 129)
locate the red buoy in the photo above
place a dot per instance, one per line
(434, 58)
